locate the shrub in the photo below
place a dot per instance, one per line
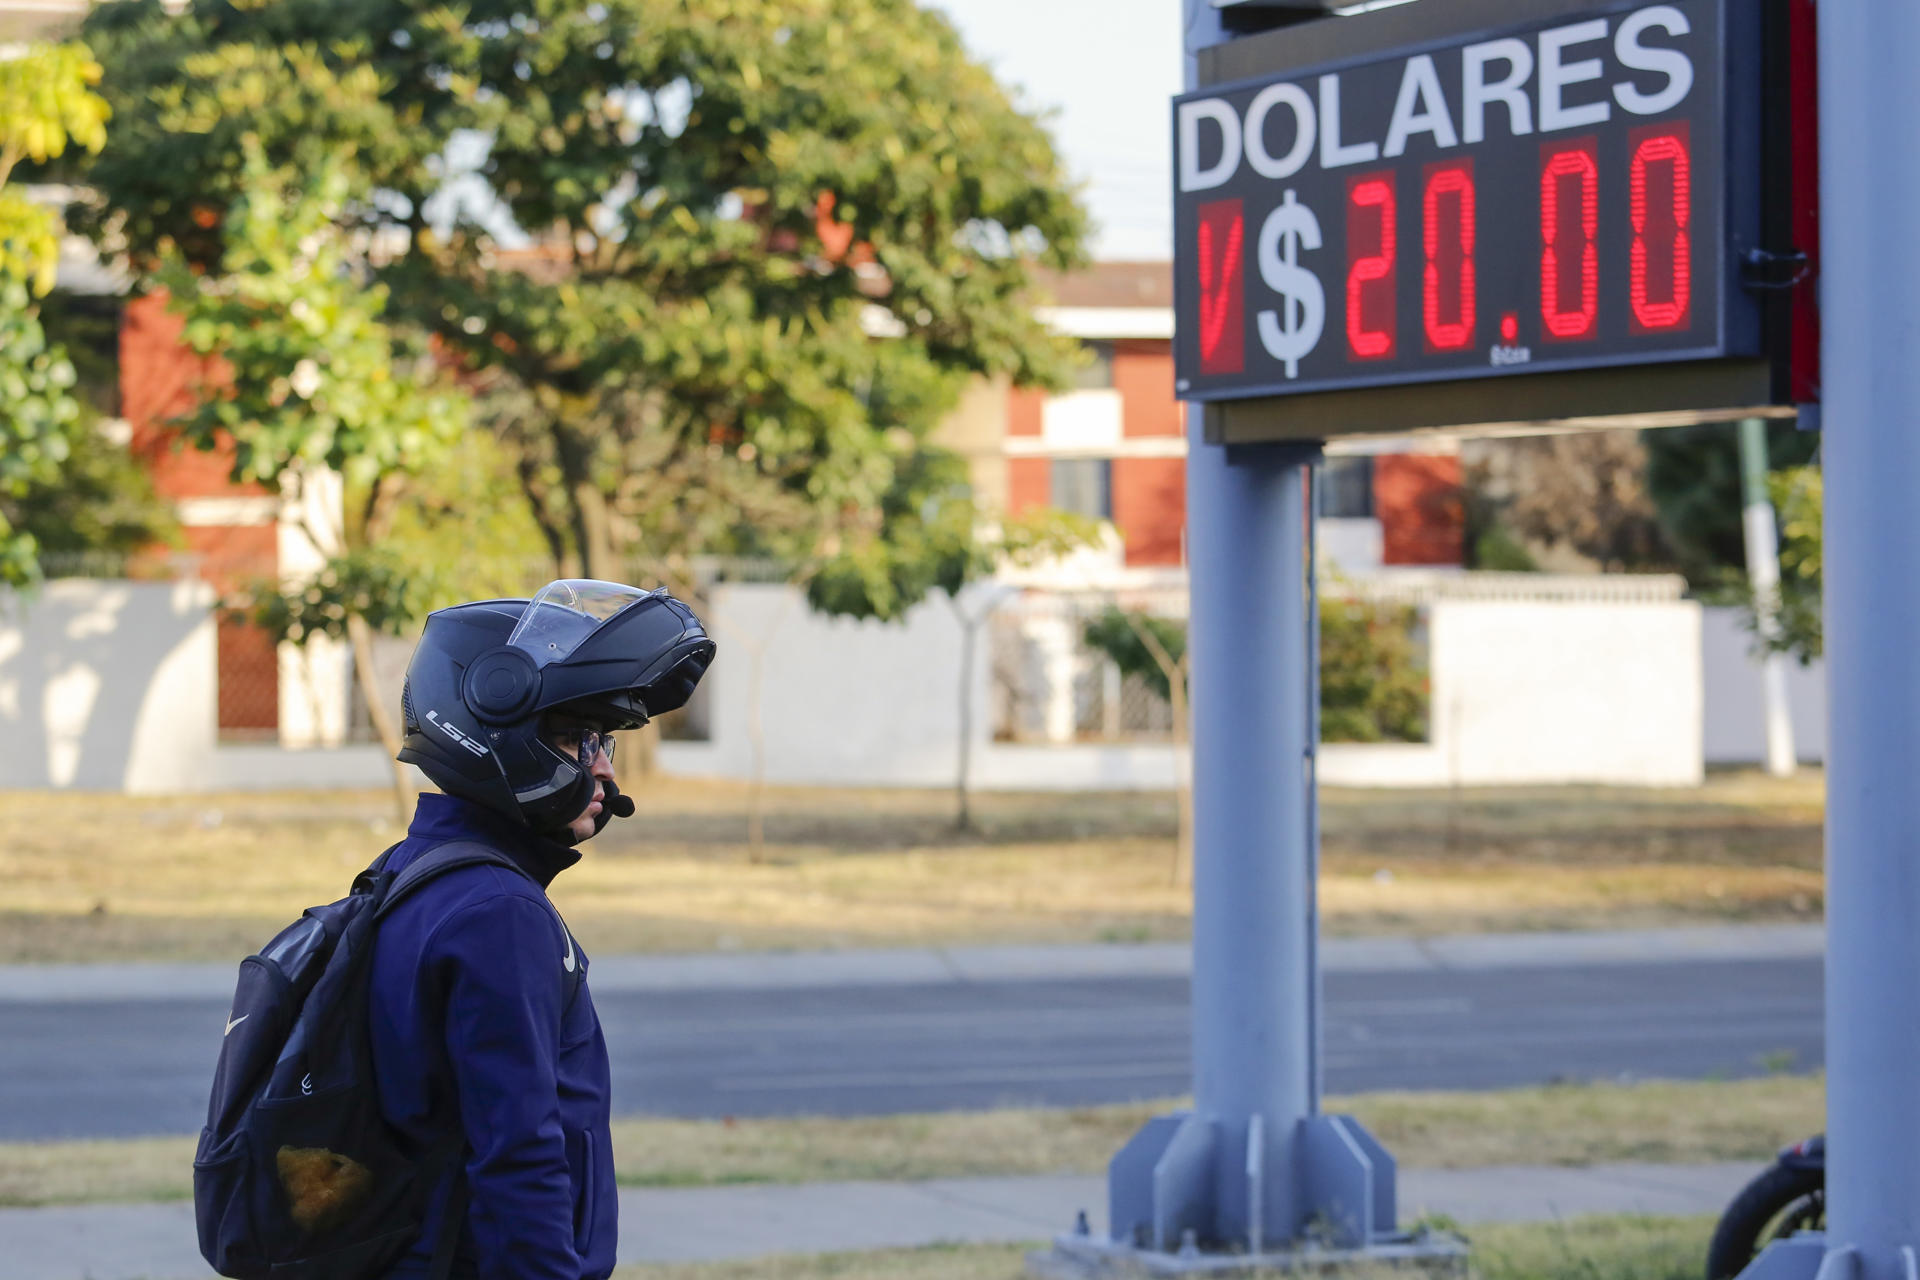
(1373, 686)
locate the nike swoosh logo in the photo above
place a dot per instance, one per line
(566, 961)
(236, 1022)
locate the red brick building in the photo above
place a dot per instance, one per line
(233, 530)
(1113, 446)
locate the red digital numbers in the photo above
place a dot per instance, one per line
(1659, 186)
(1660, 206)
(1447, 284)
(1372, 247)
(1569, 259)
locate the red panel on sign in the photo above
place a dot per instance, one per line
(1222, 252)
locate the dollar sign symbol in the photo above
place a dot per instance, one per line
(1291, 332)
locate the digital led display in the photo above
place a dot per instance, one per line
(1550, 195)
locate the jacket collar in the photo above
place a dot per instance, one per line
(440, 818)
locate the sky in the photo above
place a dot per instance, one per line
(1109, 68)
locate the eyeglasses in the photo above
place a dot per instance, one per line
(585, 745)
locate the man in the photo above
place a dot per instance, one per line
(482, 1024)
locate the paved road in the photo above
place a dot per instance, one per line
(100, 1067)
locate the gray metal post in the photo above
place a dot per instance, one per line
(1253, 923)
(1763, 574)
(1253, 917)
(1870, 314)
(1254, 1165)
(1870, 387)
(1254, 1169)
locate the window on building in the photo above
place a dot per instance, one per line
(1346, 489)
(1096, 371)
(1084, 486)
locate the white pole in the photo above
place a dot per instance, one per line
(1763, 573)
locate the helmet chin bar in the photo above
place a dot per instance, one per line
(612, 805)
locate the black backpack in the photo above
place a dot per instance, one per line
(297, 1176)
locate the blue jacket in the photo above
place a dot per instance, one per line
(471, 1017)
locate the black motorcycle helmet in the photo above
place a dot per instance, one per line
(485, 674)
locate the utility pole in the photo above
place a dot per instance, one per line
(1763, 574)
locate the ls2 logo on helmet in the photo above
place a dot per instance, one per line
(459, 737)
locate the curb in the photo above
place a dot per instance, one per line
(47, 984)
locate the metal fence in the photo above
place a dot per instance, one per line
(1048, 684)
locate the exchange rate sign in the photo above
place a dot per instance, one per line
(1541, 197)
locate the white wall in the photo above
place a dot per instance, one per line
(841, 700)
(107, 686)
(1604, 691)
(111, 685)
(1735, 731)
(1567, 691)
(1544, 691)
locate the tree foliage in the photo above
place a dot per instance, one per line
(1373, 686)
(312, 383)
(931, 535)
(1693, 477)
(46, 103)
(717, 266)
(1119, 638)
(1798, 501)
(1583, 493)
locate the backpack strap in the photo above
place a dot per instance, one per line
(435, 862)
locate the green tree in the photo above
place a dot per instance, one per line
(1373, 686)
(1155, 650)
(930, 535)
(46, 103)
(766, 236)
(315, 385)
(1798, 498)
(1693, 477)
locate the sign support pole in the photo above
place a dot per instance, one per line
(1870, 387)
(1254, 1169)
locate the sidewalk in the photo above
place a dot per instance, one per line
(156, 1242)
(778, 970)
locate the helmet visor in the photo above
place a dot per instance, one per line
(565, 613)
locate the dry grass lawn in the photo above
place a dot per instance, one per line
(1593, 1248)
(1660, 1122)
(211, 877)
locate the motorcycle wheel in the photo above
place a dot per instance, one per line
(1774, 1205)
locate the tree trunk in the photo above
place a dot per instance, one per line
(969, 627)
(1176, 674)
(643, 758)
(360, 635)
(587, 505)
(757, 742)
(594, 525)
(1182, 777)
(756, 647)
